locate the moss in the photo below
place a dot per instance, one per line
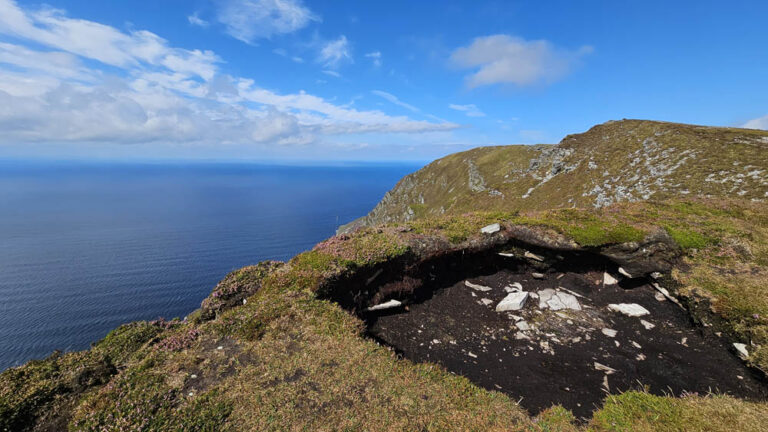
(556, 419)
(689, 238)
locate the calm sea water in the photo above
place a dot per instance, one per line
(87, 247)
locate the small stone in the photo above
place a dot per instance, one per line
(647, 325)
(609, 280)
(551, 299)
(386, 305)
(609, 332)
(537, 275)
(477, 287)
(640, 357)
(659, 296)
(636, 345)
(191, 394)
(629, 309)
(513, 301)
(507, 254)
(245, 301)
(741, 350)
(522, 326)
(219, 347)
(471, 355)
(618, 344)
(193, 376)
(486, 301)
(656, 275)
(435, 341)
(684, 341)
(490, 229)
(517, 286)
(533, 256)
(607, 369)
(624, 273)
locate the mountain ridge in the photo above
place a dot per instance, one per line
(617, 161)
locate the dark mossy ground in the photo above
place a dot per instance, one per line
(269, 351)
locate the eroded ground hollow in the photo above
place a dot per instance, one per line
(571, 351)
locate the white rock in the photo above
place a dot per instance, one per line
(514, 287)
(636, 345)
(477, 287)
(507, 254)
(659, 296)
(537, 275)
(640, 357)
(471, 355)
(741, 350)
(609, 280)
(490, 229)
(522, 325)
(386, 305)
(609, 332)
(656, 275)
(551, 299)
(486, 301)
(647, 325)
(219, 347)
(435, 341)
(513, 301)
(624, 273)
(607, 369)
(533, 256)
(629, 309)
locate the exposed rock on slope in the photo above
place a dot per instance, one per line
(628, 160)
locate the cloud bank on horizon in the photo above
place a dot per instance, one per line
(277, 73)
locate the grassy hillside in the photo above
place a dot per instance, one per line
(619, 161)
(268, 351)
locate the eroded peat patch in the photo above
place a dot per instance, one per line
(565, 333)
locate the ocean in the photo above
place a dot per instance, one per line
(85, 247)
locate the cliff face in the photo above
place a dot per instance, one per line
(628, 160)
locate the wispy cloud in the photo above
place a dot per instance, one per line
(375, 57)
(334, 53)
(152, 92)
(758, 123)
(470, 110)
(395, 100)
(504, 59)
(332, 73)
(195, 20)
(250, 20)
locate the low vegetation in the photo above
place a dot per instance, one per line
(270, 353)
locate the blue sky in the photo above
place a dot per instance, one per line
(364, 80)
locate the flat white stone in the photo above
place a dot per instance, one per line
(537, 275)
(533, 256)
(609, 280)
(386, 305)
(624, 273)
(514, 287)
(471, 355)
(741, 350)
(647, 325)
(507, 254)
(486, 301)
(629, 309)
(607, 369)
(609, 332)
(490, 229)
(555, 300)
(522, 325)
(477, 287)
(513, 301)
(659, 296)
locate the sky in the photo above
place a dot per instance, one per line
(348, 80)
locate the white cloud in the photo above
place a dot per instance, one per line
(508, 59)
(195, 20)
(395, 100)
(470, 110)
(332, 73)
(153, 92)
(283, 53)
(249, 20)
(758, 123)
(334, 53)
(375, 57)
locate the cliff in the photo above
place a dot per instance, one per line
(619, 161)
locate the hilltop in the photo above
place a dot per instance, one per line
(618, 161)
(481, 313)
